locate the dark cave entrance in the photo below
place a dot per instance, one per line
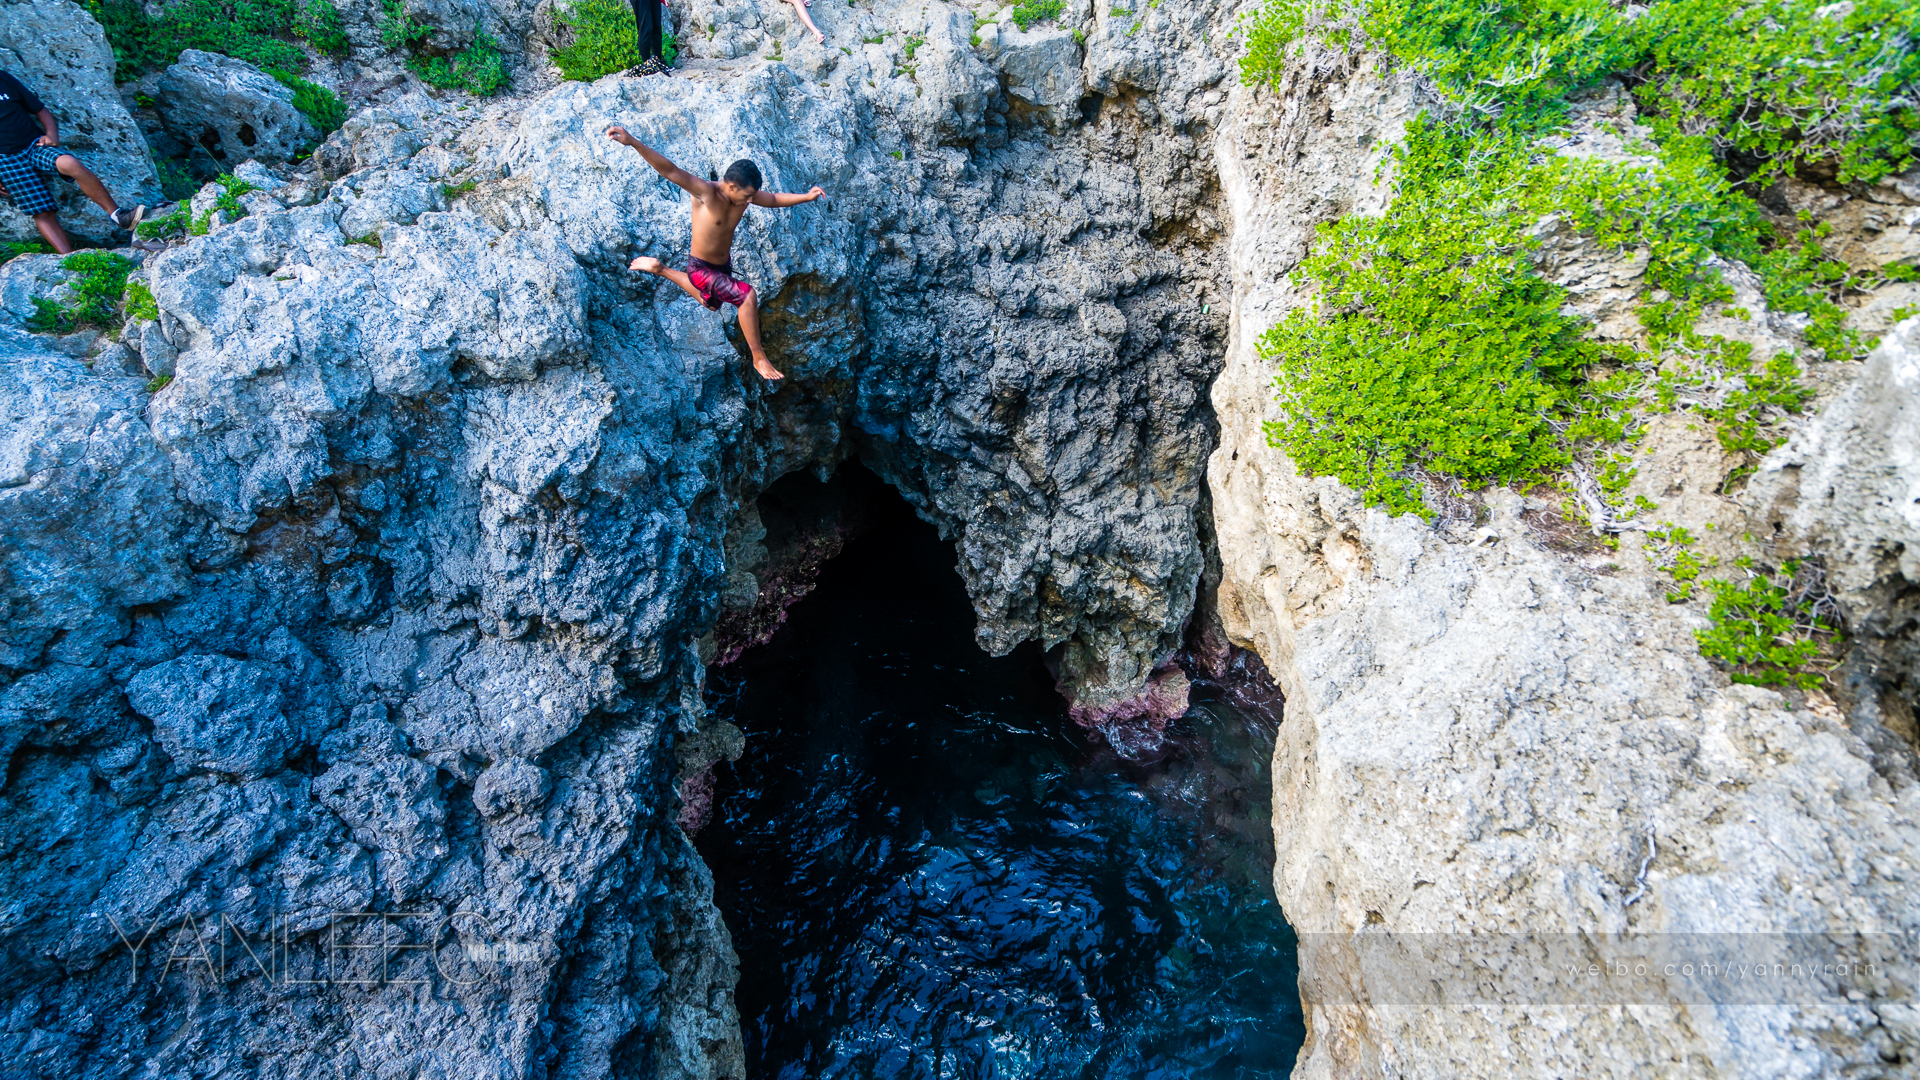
(930, 871)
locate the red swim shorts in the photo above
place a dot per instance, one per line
(717, 284)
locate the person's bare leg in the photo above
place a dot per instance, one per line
(90, 185)
(808, 19)
(647, 264)
(750, 329)
(49, 225)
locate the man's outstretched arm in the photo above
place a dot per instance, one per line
(781, 198)
(695, 186)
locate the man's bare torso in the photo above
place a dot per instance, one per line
(714, 220)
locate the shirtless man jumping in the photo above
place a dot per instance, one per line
(717, 209)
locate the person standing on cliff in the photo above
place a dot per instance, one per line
(717, 210)
(646, 23)
(30, 145)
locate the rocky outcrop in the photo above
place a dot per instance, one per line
(1502, 752)
(379, 624)
(233, 109)
(61, 54)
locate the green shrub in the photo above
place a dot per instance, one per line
(1029, 12)
(158, 228)
(1774, 628)
(226, 201)
(140, 304)
(603, 40)
(1785, 82)
(96, 294)
(9, 250)
(176, 181)
(316, 102)
(257, 31)
(398, 30)
(1434, 346)
(319, 22)
(479, 69)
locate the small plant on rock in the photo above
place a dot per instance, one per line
(479, 69)
(1777, 628)
(1035, 11)
(96, 295)
(140, 304)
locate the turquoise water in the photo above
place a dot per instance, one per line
(929, 871)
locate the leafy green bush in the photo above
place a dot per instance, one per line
(1432, 345)
(141, 306)
(9, 250)
(603, 40)
(1785, 82)
(319, 22)
(1772, 629)
(479, 69)
(1435, 346)
(160, 227)
(176, 182)
(399, 30)
(252, 30)
(1029, 12)
(316, 102)
(96, 294)
(226, 201)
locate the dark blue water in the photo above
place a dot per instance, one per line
(930, 872)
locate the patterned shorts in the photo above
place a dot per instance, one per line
(20, 175)
(717, 284)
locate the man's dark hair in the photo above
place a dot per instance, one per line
(745, 173)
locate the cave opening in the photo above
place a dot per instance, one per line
(929, 870)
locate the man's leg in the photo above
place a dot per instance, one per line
(90, 185)
(49, 225)
(647, 264)
(750, 329)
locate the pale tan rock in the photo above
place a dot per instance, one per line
(1492, 738)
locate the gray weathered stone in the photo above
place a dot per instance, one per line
(1490, 740)
(483, 477)
(214, 713)
(232, 108)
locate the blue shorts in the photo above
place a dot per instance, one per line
(20, 175)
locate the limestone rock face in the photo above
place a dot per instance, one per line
(1503, 748)
(61, 54)
(392, 600)
(232, 108)
(1042, 66)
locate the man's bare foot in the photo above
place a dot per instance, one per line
(646, 264)
(766, 369)
(819, 37)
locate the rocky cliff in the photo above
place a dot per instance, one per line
(345, 674)
(344, 670)
(1503, 753)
